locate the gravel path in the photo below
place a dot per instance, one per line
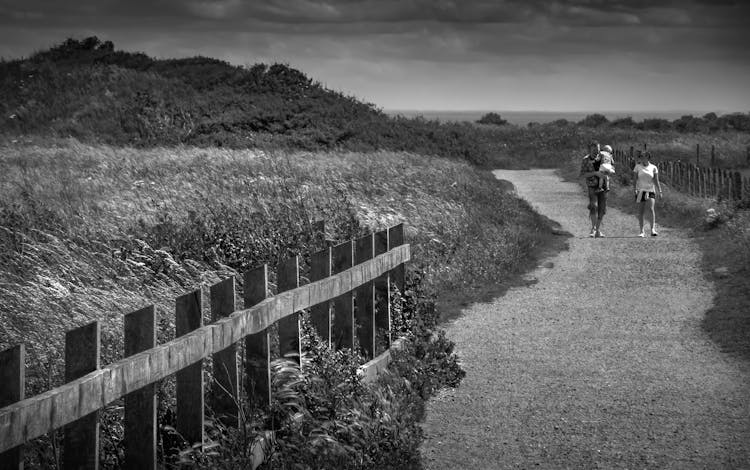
(602, 363)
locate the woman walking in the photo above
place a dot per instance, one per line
(646, 186)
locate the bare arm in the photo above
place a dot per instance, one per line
(656, 183)
(587, 174)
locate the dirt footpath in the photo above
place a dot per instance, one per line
(602, 363)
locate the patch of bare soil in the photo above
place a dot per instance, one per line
(599, 360)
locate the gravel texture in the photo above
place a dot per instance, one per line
(600, 363)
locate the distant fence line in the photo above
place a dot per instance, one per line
(700, 181)
(348, 298)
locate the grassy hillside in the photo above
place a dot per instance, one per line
(94, 231)
(126, 181)
(88, 90)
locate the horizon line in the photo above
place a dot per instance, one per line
(671, 111)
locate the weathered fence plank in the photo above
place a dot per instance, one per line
(257, 345)
(364, 300)
(140, 405)
(737, 185)
(320, 314)
(342, 333)
(382, 296)
(12, 379)
(396, 238)
(287, 280)
(38, 415)
(225, 390)
(190, 399)
(81, 436)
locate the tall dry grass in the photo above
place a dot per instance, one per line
(94, 232)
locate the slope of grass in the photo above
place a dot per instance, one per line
(98, 231)
(88, 90)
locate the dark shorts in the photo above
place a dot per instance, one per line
(642, 196)
(597, 202)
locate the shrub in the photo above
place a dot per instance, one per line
(493, 119)
(323, 416)
(594, 120)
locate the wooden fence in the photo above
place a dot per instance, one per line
(700, 181)
(353, 278)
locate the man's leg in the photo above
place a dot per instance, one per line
(593, 212)
(601, 210)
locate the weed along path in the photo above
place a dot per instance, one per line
(600, 363)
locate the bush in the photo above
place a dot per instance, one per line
(493, 119)
(323, 416)
(594, 120)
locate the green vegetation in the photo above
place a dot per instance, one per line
(492, 118)
(94, 232)
(88, 90)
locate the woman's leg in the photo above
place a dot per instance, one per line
(652, 208)
(641, 209)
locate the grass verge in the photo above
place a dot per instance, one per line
(92, 232)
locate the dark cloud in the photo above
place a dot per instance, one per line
(388, 37)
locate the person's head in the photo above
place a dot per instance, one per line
(607, 148)
(593, 148)
(644, 158)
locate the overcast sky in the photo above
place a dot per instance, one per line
(574, 55)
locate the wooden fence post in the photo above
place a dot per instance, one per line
(364, 300)
(342, 333)
(396, 238)
(257, 346)
(288, 279)
(140, 406)
(225, 393)
(699, 178)
(190, 400)
(699, 181)
(12, 379)
(320, 315)
(81, 437)
(693, 177)
(382, 296)
(737, 185)
(713, 155)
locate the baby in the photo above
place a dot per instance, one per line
(607, 167)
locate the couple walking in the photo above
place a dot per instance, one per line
(596, 168)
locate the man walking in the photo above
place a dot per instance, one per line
(597, 199)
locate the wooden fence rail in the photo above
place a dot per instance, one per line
(700, 181)
(353, 278)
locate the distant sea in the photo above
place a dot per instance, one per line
(522, 118)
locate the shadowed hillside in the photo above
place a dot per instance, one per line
(89, 90)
